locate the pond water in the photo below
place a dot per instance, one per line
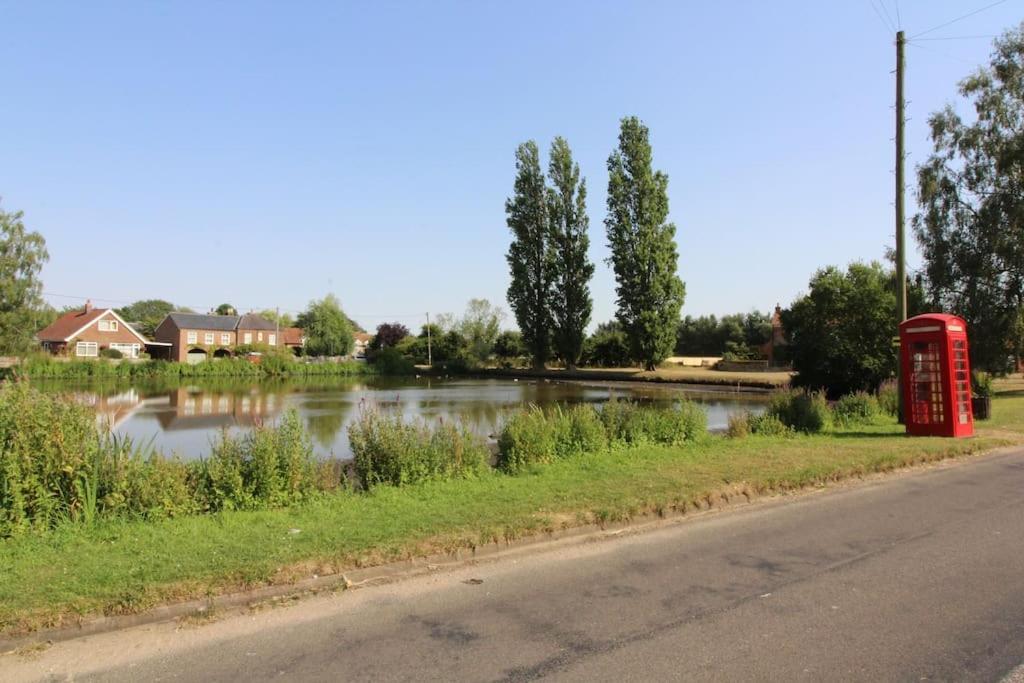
(184, 419)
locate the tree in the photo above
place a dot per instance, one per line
(608, 347)
(840, 333)
(225, 309)
(529, 258)
(327, 329)
(642, 241)
(509, 344)
(281, 319)
(146, 315)
(567, 215)
(22, 255)
(388, 335)
(971, 193)
(479, 327)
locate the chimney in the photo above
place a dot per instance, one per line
(88, 305)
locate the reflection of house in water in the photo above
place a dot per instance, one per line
(190, 408)
(113, 409)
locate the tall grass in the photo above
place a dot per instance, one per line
(802, 411)
(389, 450)
(534, 435)
(270, 365)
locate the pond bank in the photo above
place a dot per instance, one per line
(759, 382)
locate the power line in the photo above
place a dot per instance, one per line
(986, 35)
(960, 18)
(931, 48)
(885, 24)
(899, 19)
(888, 16)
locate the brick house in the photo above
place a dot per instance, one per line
(195, 337)
(84, 333)
(294, 338)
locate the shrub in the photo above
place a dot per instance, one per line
(533, 435)
(767, 425)
(268, 467)
(889, 398)
(739, 425)
(981, 384)
(390, 361)
(388, 450)
(632, 423)
(110, 353)
(802, 411)
(529, 436)
(860, 408)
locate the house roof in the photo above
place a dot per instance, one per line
(363, 337)
(71, 323)
(224, 323)
(251, 321)
(292, 335)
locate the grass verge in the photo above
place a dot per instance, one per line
(125, 566)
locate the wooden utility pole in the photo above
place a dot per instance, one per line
(430, 355)
(901, 256)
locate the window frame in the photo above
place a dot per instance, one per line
(225, 338)
(208, 338)
(87, 345)
(191, 337)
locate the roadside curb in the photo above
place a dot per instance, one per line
(235, 603)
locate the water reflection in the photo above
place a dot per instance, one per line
(183, 419)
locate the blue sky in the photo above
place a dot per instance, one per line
(264, 154)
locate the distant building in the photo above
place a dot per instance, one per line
(193, 337)
(775, 350)
(293, 338)
(362, 343)
(86, 332)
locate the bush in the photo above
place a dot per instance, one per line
(388, 450)
(981, 384)
(859, 408)
(739, 425)
(802, 411)
(390, 361)
(889, 398)
(268, 467)
(110, 353)
(533, 435)
(767, 425)
(630, 423)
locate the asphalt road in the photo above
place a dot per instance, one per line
(914, 577)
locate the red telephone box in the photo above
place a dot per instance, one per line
(936, 376)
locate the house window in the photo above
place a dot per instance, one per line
(208, 338)
(108, 326)
(259, 336)
(127, 350)
(248, 337)
(272, 339)
(193, 337)
(225, 338)
(88, 349)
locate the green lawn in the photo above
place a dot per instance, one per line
(126, 566)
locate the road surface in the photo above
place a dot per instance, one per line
(913, 577)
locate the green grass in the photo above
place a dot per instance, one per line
(128, 566)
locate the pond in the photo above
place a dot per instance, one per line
(184, 419)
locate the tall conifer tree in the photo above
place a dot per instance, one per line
(567, 213)
(642, 241)
(529, 258)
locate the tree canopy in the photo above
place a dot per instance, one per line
(841, 333)
(327, 329)
(971, 193)
(643, 248)
(22, 255)
(146, 314)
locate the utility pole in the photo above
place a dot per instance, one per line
(430, 355)
(901, 256)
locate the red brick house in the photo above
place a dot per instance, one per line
(86, 332)
(193, 337)
(294, 338)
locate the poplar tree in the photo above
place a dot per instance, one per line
(529, 258)
(567, 215)
(649, 293)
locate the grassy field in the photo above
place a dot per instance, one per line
(128, 566)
